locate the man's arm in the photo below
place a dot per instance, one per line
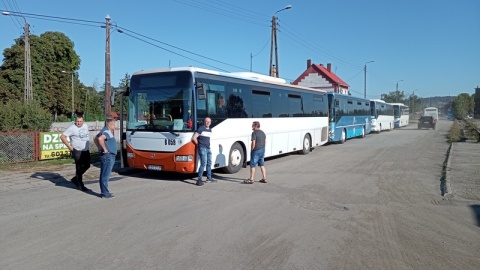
(253, 145)
(194, 138)
(65, 141)
(101, 142)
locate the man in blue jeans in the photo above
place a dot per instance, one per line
(201, 138)
(257, 155)
(107, 146)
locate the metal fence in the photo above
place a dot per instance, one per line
(25, 146)
(19, 146)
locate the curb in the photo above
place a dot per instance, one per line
(445, 183)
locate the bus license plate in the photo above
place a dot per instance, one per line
(154, 167)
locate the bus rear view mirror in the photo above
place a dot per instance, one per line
(200, 91)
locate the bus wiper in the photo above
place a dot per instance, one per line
(140, 126)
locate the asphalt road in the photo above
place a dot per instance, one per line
(372, 203)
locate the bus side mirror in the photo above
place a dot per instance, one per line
(200, 91)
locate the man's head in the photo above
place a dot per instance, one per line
(110, 123)
(207, 122)
(79, 119)
(255, 125)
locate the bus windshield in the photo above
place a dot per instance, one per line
(161, 102)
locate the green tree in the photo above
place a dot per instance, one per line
(395, 97)
(462, 105)
(123, 85)
(51, 53)
(17, 115)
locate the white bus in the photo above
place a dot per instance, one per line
(382, 115)
(401, 114)
(166, 106)
(431, 111)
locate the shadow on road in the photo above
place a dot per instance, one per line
(60, 181)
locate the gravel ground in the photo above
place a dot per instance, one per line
(372, 203)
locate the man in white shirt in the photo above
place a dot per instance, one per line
(78, 143)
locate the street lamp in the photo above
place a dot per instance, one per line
(365, 78)
(274, 72)
(396, 92)
(73, 96)
(28, 92)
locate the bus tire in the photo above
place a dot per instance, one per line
(236, 158)
(344, 137)
(307, 145)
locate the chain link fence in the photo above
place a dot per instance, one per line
(18, 147)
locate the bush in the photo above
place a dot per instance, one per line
(20, 116)
(63, 118)
(455, 134)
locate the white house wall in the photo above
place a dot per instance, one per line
(314, 80)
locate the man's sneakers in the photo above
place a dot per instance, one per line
(84, 188)
(109, 196)
(200, 182)
(75, 182)
(211, 181)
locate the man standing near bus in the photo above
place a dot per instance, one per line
(78, 144)
(201, 138)
(257, 154)
(107, 146)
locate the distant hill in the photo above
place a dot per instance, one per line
(442, 103)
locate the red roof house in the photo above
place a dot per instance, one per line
(319, 77)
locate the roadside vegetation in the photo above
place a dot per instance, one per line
(463, 130)
(455, 134)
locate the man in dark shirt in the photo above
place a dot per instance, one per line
(257, 154)
(201, 138)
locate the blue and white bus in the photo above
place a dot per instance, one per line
(166, 106)
(382, 115)
(349, 117)
(401, 114)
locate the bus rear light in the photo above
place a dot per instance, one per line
(129, 155)
(184, 158)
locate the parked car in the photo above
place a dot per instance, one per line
(427, 122)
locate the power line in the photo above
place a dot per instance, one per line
(175, 47)
(170, 51)
(223, 12)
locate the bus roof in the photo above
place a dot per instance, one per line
(378, 100)
(400, 104)
(251, 76)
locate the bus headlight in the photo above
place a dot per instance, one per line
(129, 155)
(184, 158)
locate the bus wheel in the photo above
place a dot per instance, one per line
(343, 137)
(363, 132)
(235, 159)
(306, 145)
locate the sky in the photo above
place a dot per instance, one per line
(426, 47)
